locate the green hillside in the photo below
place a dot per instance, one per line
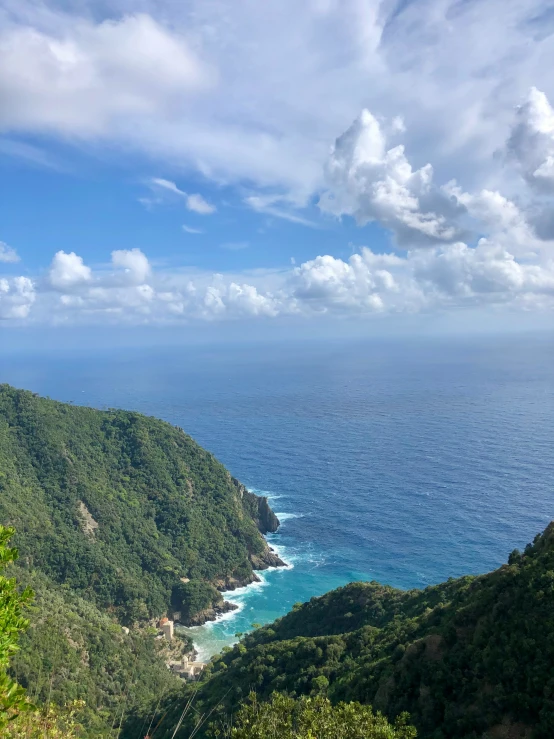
(121, 518)
(470, 658)
(120, 507)
(72, 651)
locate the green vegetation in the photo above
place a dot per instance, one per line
(12, 623)
(112, 510)
(193, 597)
(118, 506)
(467, 659)
(283, 717)
(121, 518)
(73, 652)
(48, 723)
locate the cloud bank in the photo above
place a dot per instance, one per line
(193, 98)
(507, 263)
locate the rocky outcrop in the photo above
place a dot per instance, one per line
(88, 524)
(211, 614)
(232, 583)
(268, 559)
(267, 520)
(258, 507)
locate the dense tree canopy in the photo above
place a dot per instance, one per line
(119, 506)
(466, 659)
(122, 517)
(113, 511)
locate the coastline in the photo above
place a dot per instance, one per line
(204, 647)
(237, 597)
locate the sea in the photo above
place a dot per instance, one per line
(403, 461)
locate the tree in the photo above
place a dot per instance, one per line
(283, 717)
(12, 623)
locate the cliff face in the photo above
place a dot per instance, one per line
(259, 509)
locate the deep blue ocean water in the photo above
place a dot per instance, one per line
(406, 462)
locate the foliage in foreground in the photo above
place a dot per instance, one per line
(283, 717)
(12, 623)
(47, 723)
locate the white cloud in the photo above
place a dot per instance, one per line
(222, 299)
(134, 264)
(193, 202)
(193, 98)
(191, 230)
(423, 280)
(531, 142)
(85, 79)
(369, 181)
(167, 185)
(68, 270)
(17, 296)
(268, 204)
(506, 263)
(7, 254)
(197, 204)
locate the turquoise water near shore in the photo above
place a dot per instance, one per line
(404, 462)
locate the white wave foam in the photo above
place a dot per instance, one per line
(285, 516)
(281, 552)
(266, 493)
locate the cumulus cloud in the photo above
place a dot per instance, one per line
(224, 299)
(454, 275)
(7, 254)
(531, 142)
(371, 182)
(134, 263)
(422, 280)
(17, 295)
(68, 270)
(505, 263)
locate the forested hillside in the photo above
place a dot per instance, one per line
(121, 518)
(120, 507)
(470, 658)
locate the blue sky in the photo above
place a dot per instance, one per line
(276, 164)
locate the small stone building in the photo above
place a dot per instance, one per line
(167, 628)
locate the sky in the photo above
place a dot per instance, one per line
(247, 166)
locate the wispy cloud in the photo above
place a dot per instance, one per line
(266, 204)
(7, 254)
(187, 99)
(193, 202)
(190, 230)
(29, 153)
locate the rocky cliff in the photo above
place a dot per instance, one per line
(259, 509)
